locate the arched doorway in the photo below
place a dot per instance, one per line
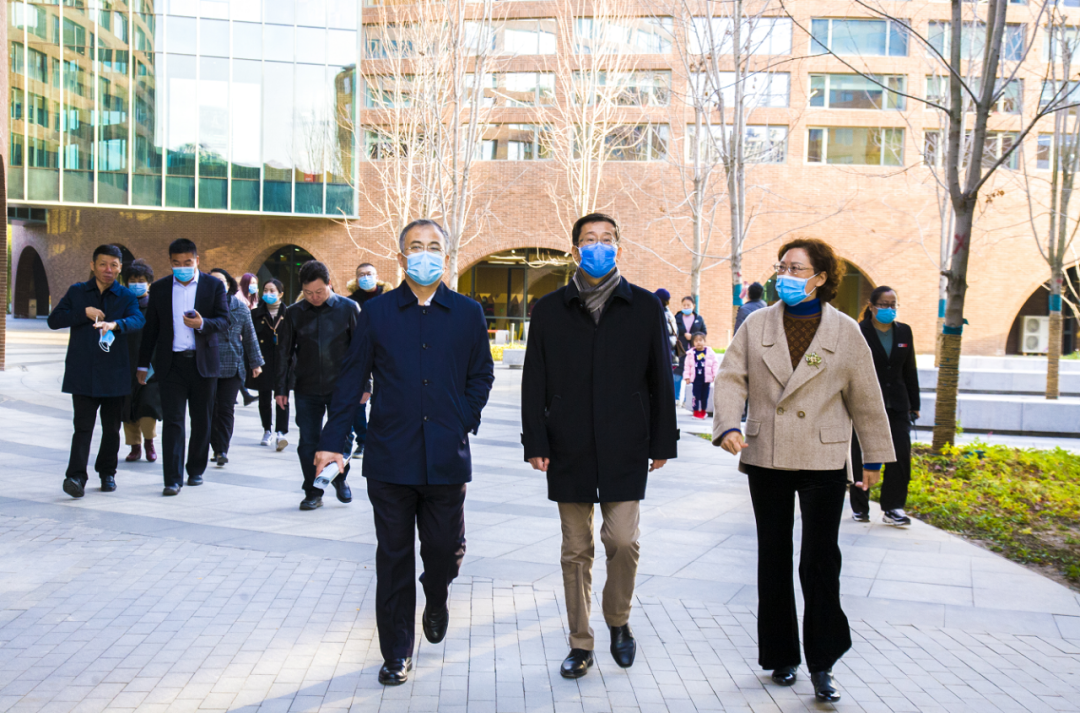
(1031, 327)
(508, 284)
(31, 287)
(284, 265)
(850, 299)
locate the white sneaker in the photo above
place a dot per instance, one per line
(281, 442)
(267, 437)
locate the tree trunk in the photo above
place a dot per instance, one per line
(1053, 352)
(452, 268)
(949, 370)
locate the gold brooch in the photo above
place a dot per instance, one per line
(813, 359)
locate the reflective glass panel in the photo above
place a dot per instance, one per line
(76, 118)
(341, 14)
(313, 136)
(181, 107)
(247, 40)
(310, 45)
(278, 43)
(16, 175)
(247, 103)
(246, 10)
(149, 117)
(278, 11)
(340, 176)
(43, 102)
(114, 95)
(341, 47)
(277, 152)
(213, 132)
(214, 38)
(180, 34)
(311, 13)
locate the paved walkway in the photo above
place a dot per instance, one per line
(229, 598)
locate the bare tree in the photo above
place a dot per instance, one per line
(1001, 50)
(1060, 151)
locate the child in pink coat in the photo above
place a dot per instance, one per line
(701, 367)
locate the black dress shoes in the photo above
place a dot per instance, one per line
(194, 480)
(395, 672)
(623, 646)
(312, 503)
(344, 492)
(435, 624)
(108, 483)
(171, 490)
(73, 488)
(785, 675)
(577, 664)
(221, 459)
(823, 687)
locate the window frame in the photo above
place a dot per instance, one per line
(888, 94)
(825, 146)
(889, 32)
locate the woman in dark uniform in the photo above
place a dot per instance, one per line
(142, 409)
(267, 318)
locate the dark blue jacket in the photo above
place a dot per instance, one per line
(434, 373)
(88, 370)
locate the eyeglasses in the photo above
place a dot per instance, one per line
(782, 269)
(606, 239)
(433, 248)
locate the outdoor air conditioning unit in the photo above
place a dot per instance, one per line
(1034, 335)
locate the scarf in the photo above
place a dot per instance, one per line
(596, 298)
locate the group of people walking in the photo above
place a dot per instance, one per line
(602, 371)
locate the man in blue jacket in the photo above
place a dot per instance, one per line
(100, 313)
(427, 348)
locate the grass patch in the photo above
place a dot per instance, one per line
(1023, 503)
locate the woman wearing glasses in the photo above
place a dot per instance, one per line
(894, 360)
(809, 377)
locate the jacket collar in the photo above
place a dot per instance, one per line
(91, 284)
(870, 333)
(622, 290)
(330, 302)
(406, 297)
(777, 356)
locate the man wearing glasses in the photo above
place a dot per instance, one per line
(597, 404)
(427, 348)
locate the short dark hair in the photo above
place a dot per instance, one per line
(689, 297)
(575, 233)
(823, 259)
(110, 250)
(874, 297)
(755, 291)
(181, 246)
(232, 288)
(362, 265)
(276, 283)
(695, 335)
(140, 268)
(419, 223)
(314, 270)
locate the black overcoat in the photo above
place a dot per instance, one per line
(144, 401)
(598, 399)
(897, 373)
(266, 328)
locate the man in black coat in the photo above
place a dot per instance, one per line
(893, 349)
(100, 313)
(186, 313)
(597, 403)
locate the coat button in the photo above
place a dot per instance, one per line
(780, 410)
(423, 311)
(802, 414)
(423, 346)
(425, 418)
(426, 382)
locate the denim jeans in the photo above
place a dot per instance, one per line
(310, 410)
(678, 384)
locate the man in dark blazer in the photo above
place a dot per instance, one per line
(100, 313)
(597, 403)
(185, 314)
(893, 348)
(427, 348)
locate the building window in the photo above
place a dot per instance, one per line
(761, 144)
(937, 91)
(855, 146)
(973, 40)
(388, 91)
(854, 91)
(632, 142)
(389, 41)
(513, 38)
(514, 142)
(1060, 38)
(18, 58)
(866, 38)
(517, 88)
(763, 35)
(1054, 92)
(1046, 149)
(638, 88)
(638, 35)
(935, 148)
(760, 91)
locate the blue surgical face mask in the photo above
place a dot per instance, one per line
(688, 311)
(425, 268)
(270, 298)
(139, 288)
(598, 259)
(792, 290)
(886, 315)
(106, 340)
(367, 283)
(184, 274)
(253, 289)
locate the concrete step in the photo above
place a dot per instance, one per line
(1012, 382)
(1003, 363)
(1019, 415)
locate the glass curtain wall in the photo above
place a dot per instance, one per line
(211, 105)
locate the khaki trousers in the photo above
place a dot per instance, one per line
(135, 432)
(619, 534)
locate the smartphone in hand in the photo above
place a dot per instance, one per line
(191, 314)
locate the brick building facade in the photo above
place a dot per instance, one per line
(882, 219)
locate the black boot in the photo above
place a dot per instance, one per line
(785, 675)
(823, 686)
